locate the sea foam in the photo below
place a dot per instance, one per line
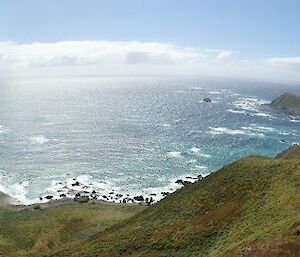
(40, 139)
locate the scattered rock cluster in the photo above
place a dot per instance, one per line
(84, 196)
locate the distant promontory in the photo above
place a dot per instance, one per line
(287, 102)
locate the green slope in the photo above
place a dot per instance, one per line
(41, 232)
(249, 208)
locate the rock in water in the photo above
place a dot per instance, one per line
(207, 100)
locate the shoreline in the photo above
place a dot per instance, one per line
(79, 193)
(83, 197)
(9, 203)
(92, 198)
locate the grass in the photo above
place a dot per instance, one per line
(249, 208)
(40, 232)
(252, 203)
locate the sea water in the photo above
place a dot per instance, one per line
(133, 136)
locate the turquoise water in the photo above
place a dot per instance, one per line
(131, 135)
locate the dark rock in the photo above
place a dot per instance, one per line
(93, 192)
(139, 198)
(76, 184)
(179, 181)
(165, 193)
(41, 198)
(207, 100)
(104, 196)
(124, 200)
(185, 183)
(153, 194)
(49, 197)
(119, 195)
(63, 195)
(200, 176)
(111, 193)
(95, 197)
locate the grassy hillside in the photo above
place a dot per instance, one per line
(249, 208)
(40, 232)
(288, 102)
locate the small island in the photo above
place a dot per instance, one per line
(288, 102)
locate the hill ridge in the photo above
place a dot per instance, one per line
(241, 210)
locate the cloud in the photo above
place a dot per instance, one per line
(224, 54)
(146, 58)
(71, 53)
(137, 58)
(286, 63)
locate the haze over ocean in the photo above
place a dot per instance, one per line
(135, 136)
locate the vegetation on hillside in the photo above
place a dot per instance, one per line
(40, 232)
(249, 208)
(288, 102)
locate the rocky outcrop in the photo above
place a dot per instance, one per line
(288, 102)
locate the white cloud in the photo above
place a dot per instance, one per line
(284, 61)
(224, 54)
(137, 58)
(95, 52)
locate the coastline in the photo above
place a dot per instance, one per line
(7, 202)
(84, 196)
(10, 203)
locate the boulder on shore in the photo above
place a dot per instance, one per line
(81, 198)
(139, 198)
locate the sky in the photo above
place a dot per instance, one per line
(238, 38)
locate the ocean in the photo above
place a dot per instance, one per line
(131, 136)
